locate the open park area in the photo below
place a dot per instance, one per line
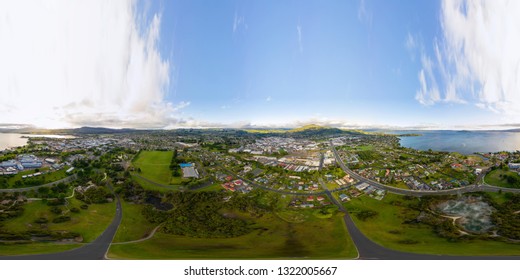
(281, 235)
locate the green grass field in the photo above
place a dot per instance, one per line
(400, 185)
(150, 186)
(275, 238)
(365, 148)
(133, 226)
(493, 178)
(216, 187)
(90, 223)
(331, 185)
(47, 178)
(35, 248)
(388, 230)
(155, 165)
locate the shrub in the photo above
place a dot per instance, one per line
(41, 220)
(61, 219)
(366, 214)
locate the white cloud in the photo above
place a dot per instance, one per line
(364, 15)
(411, 42)
(299, 30)
(239, 22)
(477, 57)
(69, 63)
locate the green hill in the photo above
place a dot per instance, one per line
(310, 130)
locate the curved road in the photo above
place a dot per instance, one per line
(64, 180)
(368, 249)
(96, 250)
(470, 188)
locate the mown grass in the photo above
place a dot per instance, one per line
(493, 178)
(90, 223)
(155, 165)
(133, 226)
(35, 248)
(47, 178)
(153, 187)
(216, 187)
(273, 238)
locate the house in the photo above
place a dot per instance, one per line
(307, 205)
(190, 172)
(362, 186)
(344, 197)
(514, 166)
(310, 198)
(320, 198)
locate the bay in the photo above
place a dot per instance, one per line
(464, 142)
(11, 140)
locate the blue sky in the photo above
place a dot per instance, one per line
(280, 62)
(286, 63)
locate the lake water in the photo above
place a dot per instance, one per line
(465, 142)
(9, 140)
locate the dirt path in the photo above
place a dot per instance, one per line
(142, 239)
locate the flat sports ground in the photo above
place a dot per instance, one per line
(155, 165)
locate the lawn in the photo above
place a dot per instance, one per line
(47, 178)
(35, 248)
(151, 186)
(493, 178)
(90, 223)
(389, 230)
(399, 184)
(155, 165)
(133, 226)
(273, 238)
(216, 187)
(331, 185)
(365, 148)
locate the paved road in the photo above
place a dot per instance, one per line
(418, 193)
(258, 186)
(95, 250)
(64, 180)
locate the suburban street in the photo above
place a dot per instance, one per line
(367, 249)
(418, 193)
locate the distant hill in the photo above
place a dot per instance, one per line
(311, 130)
(101, 130)
(315, 130)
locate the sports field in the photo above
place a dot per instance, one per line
(155, 165)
